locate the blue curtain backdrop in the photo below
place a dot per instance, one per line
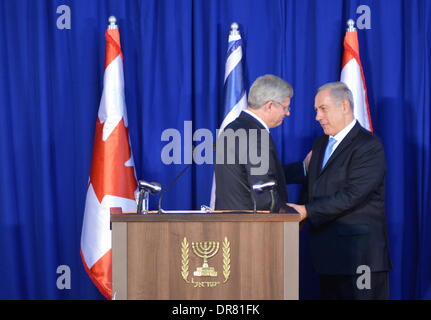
(174, 56)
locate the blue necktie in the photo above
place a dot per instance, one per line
(328, 150)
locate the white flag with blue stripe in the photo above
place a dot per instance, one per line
(235, 95)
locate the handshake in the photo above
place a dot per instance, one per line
(301, 209)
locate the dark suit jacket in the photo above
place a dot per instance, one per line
(234, 181)
(346, 205)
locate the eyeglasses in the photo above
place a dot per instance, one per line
(285, 108)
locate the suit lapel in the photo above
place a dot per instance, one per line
(315, 164)
(346, 142)
(321, 153)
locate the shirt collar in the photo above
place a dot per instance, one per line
(257, 118)
(343, 133)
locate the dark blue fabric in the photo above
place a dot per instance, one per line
(174, 56)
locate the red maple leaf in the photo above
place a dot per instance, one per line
(109, 175)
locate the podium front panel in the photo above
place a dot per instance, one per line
(205, 260)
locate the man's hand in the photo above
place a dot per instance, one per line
(301, 209)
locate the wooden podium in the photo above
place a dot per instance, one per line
(205, 256)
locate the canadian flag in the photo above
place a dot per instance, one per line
(352, 75)
(112, 180)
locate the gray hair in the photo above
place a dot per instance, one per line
(339, 91)
(268, 88)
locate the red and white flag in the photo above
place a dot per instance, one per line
(112, 180)
(352, 75)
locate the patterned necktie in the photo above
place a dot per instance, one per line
(328, 150)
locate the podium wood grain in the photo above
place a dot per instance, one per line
(263, 258)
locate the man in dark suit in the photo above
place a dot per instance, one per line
(268, 104)
(346, 193)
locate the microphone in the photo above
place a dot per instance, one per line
(170, 185)
(261, 187)
(186, 168)
(146, 188)
(152, 187)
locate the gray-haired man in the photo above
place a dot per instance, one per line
(346, 202)
(268, 105)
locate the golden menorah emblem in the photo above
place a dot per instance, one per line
(205, 250)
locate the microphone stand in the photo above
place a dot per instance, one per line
(170, 185)
(142, 202)
(271, 191)
(145, 188)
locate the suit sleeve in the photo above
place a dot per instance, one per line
(260, 168)
(365, 174)
(295, 173)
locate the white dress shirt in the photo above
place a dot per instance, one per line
(342, 134)
(257, 118)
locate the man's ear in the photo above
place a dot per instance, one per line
(346, 106)
(268, 105)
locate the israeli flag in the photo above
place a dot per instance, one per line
(235, 95)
